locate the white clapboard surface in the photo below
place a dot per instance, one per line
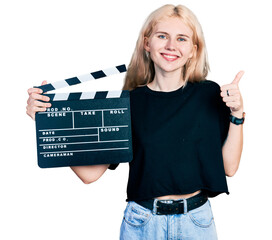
(84, 128)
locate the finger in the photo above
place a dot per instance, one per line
(231, 99)
(33, 102)
(36, 96)
(232, 92)
(39, 109)
(238, 77)
(29, 100)
(41, 104)
(229, 87)
(34, 90)
(233, 105)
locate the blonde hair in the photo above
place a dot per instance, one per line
(141, 68)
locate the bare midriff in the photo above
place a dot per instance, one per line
(174, 197)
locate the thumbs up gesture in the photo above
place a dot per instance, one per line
(231, 95)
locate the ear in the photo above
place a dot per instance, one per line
(146, 44)
(194, 51)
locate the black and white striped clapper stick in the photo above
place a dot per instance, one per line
(85, 128)
(83, 78)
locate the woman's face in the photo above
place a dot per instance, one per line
(170, 45)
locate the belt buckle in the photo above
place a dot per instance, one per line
(165, 207)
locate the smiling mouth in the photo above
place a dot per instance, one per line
(169, 57)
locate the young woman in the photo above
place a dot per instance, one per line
(184, 141)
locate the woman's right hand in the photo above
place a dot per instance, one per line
(33, 103)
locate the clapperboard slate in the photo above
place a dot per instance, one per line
(84, 128)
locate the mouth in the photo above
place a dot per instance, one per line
(169, 57)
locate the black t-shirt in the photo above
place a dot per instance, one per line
(177, 140)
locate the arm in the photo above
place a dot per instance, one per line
(89, 174)
(233, 146)
(232, 149)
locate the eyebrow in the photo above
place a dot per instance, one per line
(182, 35)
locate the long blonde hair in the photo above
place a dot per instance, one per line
(141, 68)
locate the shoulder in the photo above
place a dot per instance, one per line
(137, 99)
(138, 90)
(137, 96)
(209, 91)
(209, 86)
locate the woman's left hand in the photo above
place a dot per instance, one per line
(231, 95)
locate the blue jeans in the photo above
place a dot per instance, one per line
(140, 223)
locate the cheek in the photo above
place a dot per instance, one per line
(188, 51)
(155, 51)
(155, 46)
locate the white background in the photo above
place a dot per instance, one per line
(54, 40)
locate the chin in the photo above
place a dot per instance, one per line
(171, 69)
(171, 66)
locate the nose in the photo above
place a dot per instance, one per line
(170, 45)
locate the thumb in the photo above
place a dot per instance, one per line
(44, 82)
(238, 77)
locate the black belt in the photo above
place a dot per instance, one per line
(165, 207)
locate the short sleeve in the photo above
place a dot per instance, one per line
(224, 120)
(113, 166)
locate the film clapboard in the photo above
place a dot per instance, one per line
(84, 128)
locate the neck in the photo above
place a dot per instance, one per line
(167, 81)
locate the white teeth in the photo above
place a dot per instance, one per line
(168, 56)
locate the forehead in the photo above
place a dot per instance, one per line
(173, 25)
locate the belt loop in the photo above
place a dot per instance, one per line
(155, 206)
(185, 205)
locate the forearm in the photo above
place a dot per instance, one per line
(232, 149)
(89, 174)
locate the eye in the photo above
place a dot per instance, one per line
(180, 39)
(162, 36)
